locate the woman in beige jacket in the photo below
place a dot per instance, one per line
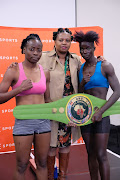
(63, 67)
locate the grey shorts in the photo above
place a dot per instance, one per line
(102, 126)
(31, 126)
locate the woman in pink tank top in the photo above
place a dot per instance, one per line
(30, 85)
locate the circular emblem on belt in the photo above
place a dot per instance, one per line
(79, 109)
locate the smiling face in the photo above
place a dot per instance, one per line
(63, 42)
(33, 50)
(87, 50)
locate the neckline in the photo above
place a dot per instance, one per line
(94, 71)
(26, 76)
(90, 64)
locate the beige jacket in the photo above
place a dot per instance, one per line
(50, 61)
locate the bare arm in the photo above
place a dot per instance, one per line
(7, 81)
(115, 86)
(81, 87)
(47, 92)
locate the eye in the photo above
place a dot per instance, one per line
(67, 40)
(39, 50)
(31, 49)
(88, 48)
(60, 40)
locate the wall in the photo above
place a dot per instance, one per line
(37, 13)
(106, 14)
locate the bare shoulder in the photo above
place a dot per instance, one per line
(106, 64)
(107, 67)
(12, 70)
(10, 76)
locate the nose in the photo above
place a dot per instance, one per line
(64, 41)
(35, 52)
(85, 51)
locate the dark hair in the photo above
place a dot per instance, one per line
(28, 38)
(61, 30)
(90, 36)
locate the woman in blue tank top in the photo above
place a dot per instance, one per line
(95, 78)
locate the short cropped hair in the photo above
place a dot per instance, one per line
(28, 38)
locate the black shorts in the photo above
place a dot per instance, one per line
(102, 126)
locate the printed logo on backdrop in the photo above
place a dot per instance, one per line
(3, 129)
(3, 146)
(8, 57)
(48, 41)
(8, 40)
(7, 128)
(7, 110)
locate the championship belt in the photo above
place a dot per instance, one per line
(78, 108)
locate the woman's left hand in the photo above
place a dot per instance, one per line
(97, 116)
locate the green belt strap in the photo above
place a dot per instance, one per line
(78, 108)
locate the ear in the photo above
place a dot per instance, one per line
(24, 50)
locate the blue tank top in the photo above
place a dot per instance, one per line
(96, 80)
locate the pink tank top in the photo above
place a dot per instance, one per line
(38, 87)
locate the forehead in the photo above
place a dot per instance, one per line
(34, 43)
(64, 35)
(86, 44)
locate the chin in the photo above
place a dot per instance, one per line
(64, 51)
(86, 58)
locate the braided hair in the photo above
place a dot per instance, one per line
(61, 30)
(28, 38)
(90, 36)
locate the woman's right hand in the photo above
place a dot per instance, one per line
(86, 78)
(26, 84)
